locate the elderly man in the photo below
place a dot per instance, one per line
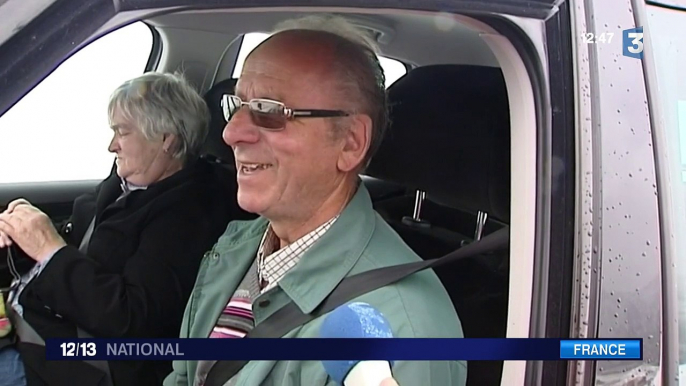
(309, 111)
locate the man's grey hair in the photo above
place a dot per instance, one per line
(163, 103)
(357, 69)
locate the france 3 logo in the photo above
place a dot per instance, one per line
(632, 43)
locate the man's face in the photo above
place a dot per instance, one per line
(286, 173)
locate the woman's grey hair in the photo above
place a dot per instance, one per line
(163, 103)
(358, 71)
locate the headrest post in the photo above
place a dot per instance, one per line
(416, 220)
(480, 224)
(418, 201)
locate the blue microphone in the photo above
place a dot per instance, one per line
(356, 320)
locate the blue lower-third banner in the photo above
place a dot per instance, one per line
(344, 349)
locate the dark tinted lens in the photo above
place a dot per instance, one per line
(268, 114)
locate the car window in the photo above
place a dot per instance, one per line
(668, 39)
(60, 131)
(393, 69)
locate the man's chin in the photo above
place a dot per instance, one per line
(250, 203)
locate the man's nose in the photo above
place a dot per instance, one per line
(240, 129)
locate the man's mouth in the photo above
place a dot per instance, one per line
(249, 168)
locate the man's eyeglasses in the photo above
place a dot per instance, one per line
(271, 114)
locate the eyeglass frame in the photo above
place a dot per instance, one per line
(287, 112)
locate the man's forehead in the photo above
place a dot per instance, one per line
(262, 75)
(259, 86)
(282, 55)
(285, 67)
(273, 78)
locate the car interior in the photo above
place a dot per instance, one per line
(441, 177)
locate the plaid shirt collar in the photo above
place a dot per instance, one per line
(274, 263)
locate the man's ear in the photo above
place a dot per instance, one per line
(356, 142)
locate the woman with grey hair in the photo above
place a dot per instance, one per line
(125, 262)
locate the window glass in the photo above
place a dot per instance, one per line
(392, 68)
(668, 39)
(60, 131)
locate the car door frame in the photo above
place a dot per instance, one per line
(555, 226)
(669, 254)
(618, 209)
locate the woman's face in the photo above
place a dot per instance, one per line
(141, 161)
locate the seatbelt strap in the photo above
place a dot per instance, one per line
(27, 334)
(290, 316)
(22, 329)
(83, 247)
(100, 365)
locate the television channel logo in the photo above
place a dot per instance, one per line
(632, 42)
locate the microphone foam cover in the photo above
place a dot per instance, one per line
(352, 320)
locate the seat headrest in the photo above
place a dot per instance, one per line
(214, 143)
(450, 137)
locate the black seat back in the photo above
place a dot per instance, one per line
(450, 137)
(214, 147)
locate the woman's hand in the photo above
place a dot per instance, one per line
(5, 240)
(31, 229)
